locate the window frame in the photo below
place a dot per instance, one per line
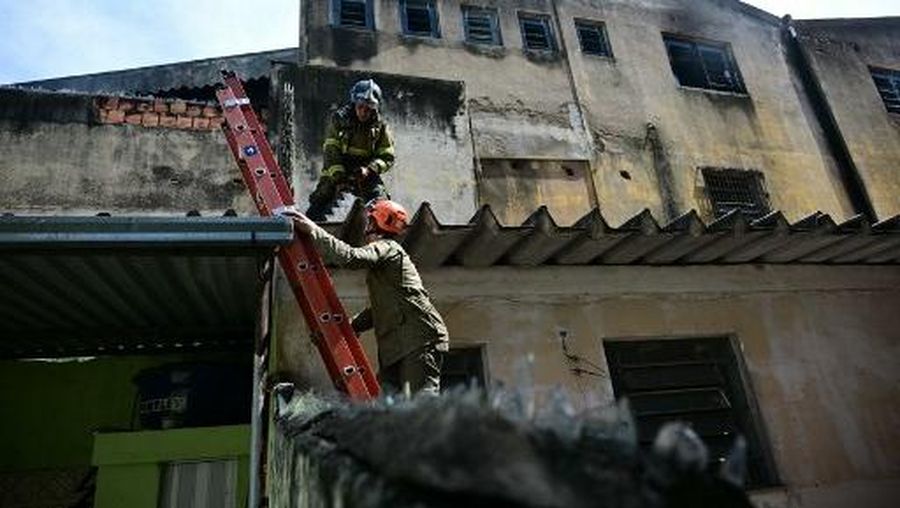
(336, 6)
(433, 16)
(546, 21)
(893, 77)
(494, 17)
(476, 349)
(744, 408)
(696, 47)
(600, 27)
(759, 188)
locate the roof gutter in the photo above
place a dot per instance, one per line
(24, 233)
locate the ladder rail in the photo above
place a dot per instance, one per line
(340, 348)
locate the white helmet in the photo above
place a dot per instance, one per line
(366, 91)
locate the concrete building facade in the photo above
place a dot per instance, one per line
(632, 134)
(612, 186)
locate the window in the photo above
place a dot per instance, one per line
(353, 13)
(730, 189)
(707, 65)
(204, 484)
(419, 17)
(462, 366)
(536, 32)
(481, 25)
(592, 36)
(888, 84)
(696, 381)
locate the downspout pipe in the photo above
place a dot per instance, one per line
(850, 176)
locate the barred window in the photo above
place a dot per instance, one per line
(481, 25)
(353, 13)
(536, 32)
(736, 189)
(592, 37)
(419, 17)
(888, 84)
(698, 381)
(707, 65)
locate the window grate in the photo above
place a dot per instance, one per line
(888, 84)
(419, 18)
(696, 381)
(592, 37)
(707, 65)
(353, 13)
(481, 25)
(536, 33)
(736, 189)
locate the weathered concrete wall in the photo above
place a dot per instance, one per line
(821, 345)
(840, 53)
(572, 106)
(56, 158)
(430, 124)
(521, 103)
(765, 130)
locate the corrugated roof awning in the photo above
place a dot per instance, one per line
(641, 240)
(78, 286)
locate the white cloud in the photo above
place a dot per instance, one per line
(52, 38)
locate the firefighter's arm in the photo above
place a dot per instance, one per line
(384, 152)
(333, 249)
(362, 322)
(331, 148)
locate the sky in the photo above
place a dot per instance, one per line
(54, 38)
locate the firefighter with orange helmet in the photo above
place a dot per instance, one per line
(411, 335)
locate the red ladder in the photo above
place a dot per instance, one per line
(334, 337)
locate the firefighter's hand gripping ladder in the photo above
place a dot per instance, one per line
(334, 337)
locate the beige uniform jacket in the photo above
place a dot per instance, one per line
(400, 310)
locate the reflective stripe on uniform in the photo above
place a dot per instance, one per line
(359, 152)
(385, 150)
(332, 142)
(381, 164)
(333, 170)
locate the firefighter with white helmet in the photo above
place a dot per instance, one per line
(358, 149)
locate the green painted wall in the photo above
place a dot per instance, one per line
(130, 463)
(51, 409)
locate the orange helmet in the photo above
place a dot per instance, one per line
(387, 216)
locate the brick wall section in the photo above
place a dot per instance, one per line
(160, 113)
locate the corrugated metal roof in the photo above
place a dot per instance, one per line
(185, 74)
(641, 240)
(72, 286)
(76, 286)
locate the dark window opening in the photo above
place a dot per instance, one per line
(419, 17)
(354, 13)
(888, 84)
(707, 65)
(463, 366)
(481, 25)
(736, 189)
(592, 37)
(536, 32)
(696, 381)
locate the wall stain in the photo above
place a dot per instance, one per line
(663, 170)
